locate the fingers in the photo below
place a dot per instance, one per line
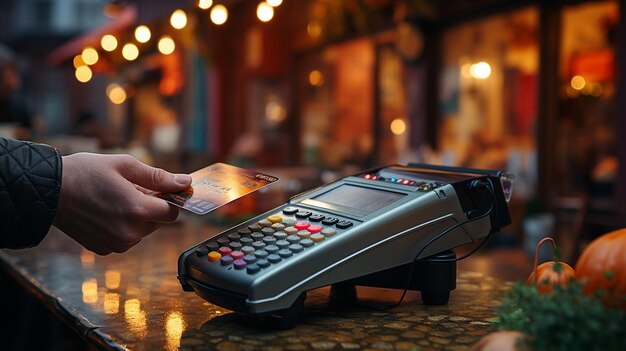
(156, 210)
(152, 178)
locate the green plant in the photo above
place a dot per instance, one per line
(567, 319)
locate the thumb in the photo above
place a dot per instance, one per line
(154, 178)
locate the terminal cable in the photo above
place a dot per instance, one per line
(477, 184)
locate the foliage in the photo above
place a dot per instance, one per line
(567, 319)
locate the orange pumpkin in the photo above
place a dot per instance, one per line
(602, 265)
(551, 273)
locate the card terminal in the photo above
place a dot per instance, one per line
(373, 228)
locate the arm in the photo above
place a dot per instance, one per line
(94, 199)
(30, 182)
(103, 206)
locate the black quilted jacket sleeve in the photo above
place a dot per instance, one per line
(30, 181)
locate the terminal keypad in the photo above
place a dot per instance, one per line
(272, 240)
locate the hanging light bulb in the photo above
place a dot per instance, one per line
(264, 12)
(108, 42)
(78, 61)
(142, 34)
(205, 4)
(166, 45)
(83, 74)
(130, 51)
(219, 14)
(274, 3)
(178, 19)
(89, 55)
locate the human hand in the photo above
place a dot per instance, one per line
(102, 207)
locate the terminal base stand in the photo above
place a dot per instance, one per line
(434, 277)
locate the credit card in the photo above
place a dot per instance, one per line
(215, 186)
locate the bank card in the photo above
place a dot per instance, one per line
(215, 186)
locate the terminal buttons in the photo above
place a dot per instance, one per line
(271, 240)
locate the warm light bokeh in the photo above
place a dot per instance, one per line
(78, 61)
(274, 3)
(142, 34)
(205, 4)
(90, 290)
(316, 78)
(130, 51)
(166, 45)
(264, 12)
(117, 95)
(398, 126)
(480, 70)
(219, 14)
(83, 74)
(89, 55)
(178, 19)
(108, 42)
(578, 82)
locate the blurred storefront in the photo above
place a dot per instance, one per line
(317, 88)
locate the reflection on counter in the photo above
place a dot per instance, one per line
(135, 301)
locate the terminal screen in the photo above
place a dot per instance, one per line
(363, 200)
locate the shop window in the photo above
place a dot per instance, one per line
(488, 97)
(586, 160)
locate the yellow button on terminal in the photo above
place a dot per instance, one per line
(214, 256)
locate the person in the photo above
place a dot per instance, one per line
(13, 111)
(100, 201)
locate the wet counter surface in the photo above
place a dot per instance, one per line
(134, 301)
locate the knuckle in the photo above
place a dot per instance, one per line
(158, 176)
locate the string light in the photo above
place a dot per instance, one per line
(83, 74)
(398, 127)
(219, 14)
(89, 55)
(264, 12)
(178, 19)
(480, 70)
(142, 34)
(130, 51)
(274, 3)
(117, 95)
(108, 42)
(166, 45)
(78, 61)
(205, 4)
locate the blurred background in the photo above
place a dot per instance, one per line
(311, 90)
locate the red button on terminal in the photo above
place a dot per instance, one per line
(237, 255)
(301, 225)
(225, 251)
(314, 229)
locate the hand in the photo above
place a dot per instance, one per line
(101, 205)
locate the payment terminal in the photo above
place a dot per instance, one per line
(389, 227)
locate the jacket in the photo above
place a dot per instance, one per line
(30, 182)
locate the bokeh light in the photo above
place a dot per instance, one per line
(264, 12)
(178, 19)
(108, 42)
(219, 14)
(316, 78)
(78, 61)
(166, 45)
(398, 127)
(578, 82)
(130, 51)
(480, 70)
(117, 95)
(205, 4)
(274, 3)
(142, 34)
(89, 55)
(83, 74)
